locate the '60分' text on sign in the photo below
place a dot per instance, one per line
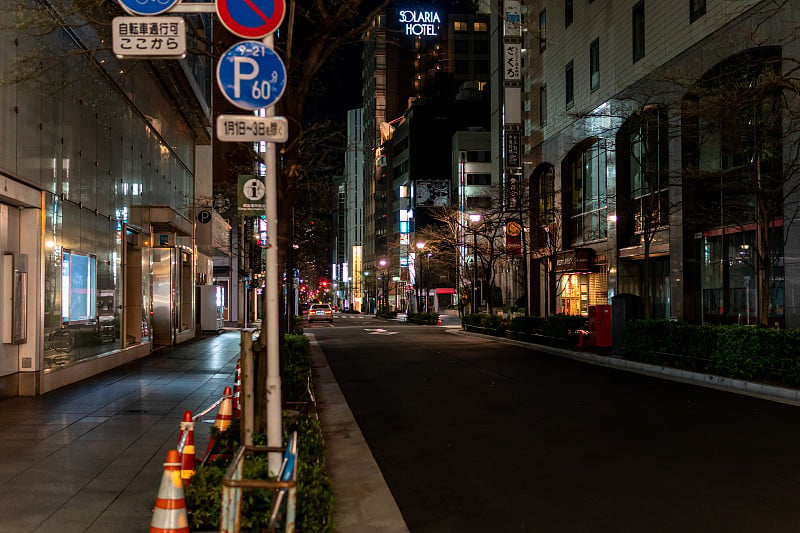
(243, 128)
(251, 75)
(149, 37)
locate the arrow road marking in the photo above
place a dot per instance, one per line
(379, 331)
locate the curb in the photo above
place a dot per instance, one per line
(759, 390)
(363, 501)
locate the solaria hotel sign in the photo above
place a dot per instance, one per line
(420, 23)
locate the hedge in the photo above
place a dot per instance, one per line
(741, 352)
(556, 330)
(315, 501)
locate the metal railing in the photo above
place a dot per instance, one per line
(285, 486)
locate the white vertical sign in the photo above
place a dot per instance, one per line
(512, 23)
(511, 62)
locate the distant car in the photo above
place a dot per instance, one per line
(320, 312)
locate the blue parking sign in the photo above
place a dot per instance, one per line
(147, 7)
(251, 75)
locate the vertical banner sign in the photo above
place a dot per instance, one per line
(511, 62)
(251, 195)
(512, 23)
(513, 238)
(512, 148)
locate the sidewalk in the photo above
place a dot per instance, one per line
(89, 457)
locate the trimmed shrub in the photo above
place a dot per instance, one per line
(315, 501)
(741, 352)
(426, 318)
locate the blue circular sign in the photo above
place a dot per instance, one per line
(251, 19)
(251, 75)
(147, 7)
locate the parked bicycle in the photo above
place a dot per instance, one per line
(61, 340)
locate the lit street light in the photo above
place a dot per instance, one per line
(420, 246)
(384, 286)
(475, 218)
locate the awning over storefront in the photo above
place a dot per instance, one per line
(577, 260)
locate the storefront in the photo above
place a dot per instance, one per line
(582, 281)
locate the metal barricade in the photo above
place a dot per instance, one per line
(284, 486)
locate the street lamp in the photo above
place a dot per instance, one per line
(475, 218)
(418, 264)
(384, 285)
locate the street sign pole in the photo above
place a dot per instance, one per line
(274, 422)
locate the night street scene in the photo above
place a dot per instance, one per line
(399, 266)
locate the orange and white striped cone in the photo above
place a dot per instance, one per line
(169, 514)
(225, 413)
(223, 420)
(187, 451)
(237, 386)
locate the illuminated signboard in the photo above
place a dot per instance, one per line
(420, 23)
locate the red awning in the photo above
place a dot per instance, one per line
(445, 290)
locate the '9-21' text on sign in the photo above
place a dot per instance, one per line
(244, 128)
(251, 75)
(150, 37)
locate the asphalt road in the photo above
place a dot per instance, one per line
(476, 435)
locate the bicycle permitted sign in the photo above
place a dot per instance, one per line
(149, 37)
(147, 7)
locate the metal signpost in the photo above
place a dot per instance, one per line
(251, 76)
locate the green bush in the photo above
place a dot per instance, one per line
(296, 369)
(314, 489)
(741, 352)
(315, 501)
(484, 323)
(297, 325)
(427, 318)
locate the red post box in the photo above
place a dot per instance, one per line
(600, 325)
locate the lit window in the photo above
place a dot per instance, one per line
(78, 291)
(479, 26)
(460, 25)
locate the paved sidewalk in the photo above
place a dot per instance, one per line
(89, 457)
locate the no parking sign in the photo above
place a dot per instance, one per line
(251, 19)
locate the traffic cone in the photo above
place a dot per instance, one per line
(580, 341)
(225, 413)
(223, 420)
(440, 321)
(237, 386)
(187, 452)
(169, 514)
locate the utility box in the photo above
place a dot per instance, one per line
(600, 326)
(625, 307)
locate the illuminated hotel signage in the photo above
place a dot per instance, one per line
(420, 23)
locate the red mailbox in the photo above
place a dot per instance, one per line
(600, 325)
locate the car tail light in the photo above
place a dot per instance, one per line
(328, 312)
